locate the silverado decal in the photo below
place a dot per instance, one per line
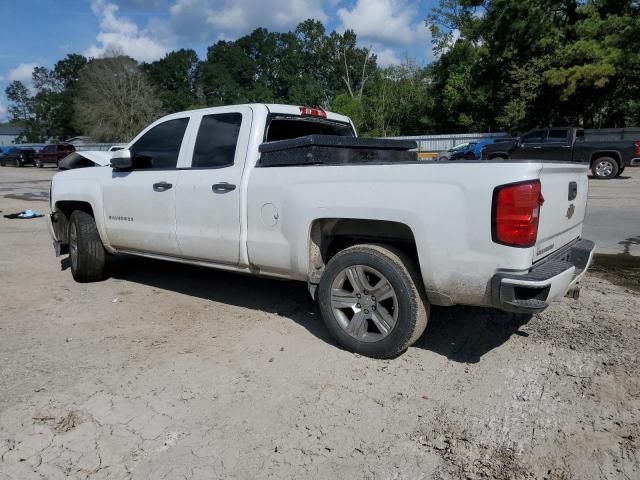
(117, 217)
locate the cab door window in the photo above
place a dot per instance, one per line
(533, 137)
(159, 148)
(216, 141)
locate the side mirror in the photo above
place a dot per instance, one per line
(121, 160)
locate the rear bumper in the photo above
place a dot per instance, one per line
(545, 282)
(635, 162)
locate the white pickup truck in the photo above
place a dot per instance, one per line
(378, 238)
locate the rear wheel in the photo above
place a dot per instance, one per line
(620, 171)
(18, 163)
(38, 163)
(370, 300)
(604, 168)
(86, 251)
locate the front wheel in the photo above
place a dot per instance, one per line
(38, 163)
(604, 168)
(18, 163)
(86, 251)
(370, 300)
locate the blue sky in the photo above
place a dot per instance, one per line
(40, 32)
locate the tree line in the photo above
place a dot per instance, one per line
(501, 65)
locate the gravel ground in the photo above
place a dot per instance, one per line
(170, 371)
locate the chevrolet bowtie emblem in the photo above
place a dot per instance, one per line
(570, 211)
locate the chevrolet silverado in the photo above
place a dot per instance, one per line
(291, 192)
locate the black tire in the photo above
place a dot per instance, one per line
(443, 159)
(620, 171)
(604, 168)
(86, 251)
(18, 163)
(404, 278)
(37, 163)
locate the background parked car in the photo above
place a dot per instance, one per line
(18, 157)
(474, 149)
(446, 154)
(53, 153)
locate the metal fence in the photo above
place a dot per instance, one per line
(437, 143)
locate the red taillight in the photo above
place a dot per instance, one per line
(312, 112)
(516, 211)
(637, 144)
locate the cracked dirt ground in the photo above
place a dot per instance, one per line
(169, 371)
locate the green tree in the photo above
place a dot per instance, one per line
(48, 113)
(20, 109)
(528, 63)
(175, 78)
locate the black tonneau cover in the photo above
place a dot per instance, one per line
(335, 150)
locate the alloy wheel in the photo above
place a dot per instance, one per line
(364, 303)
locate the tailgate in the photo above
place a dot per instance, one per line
(564, 188)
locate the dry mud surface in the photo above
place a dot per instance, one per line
(168, 371)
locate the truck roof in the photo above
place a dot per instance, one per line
(275, 108)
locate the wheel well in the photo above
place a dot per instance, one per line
(63, 210)
(597, 155)
(329, 236)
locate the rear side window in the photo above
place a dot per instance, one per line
(216, 141)
(557, 135)
(159, 147)
(286, 128)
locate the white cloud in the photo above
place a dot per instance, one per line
(387, 25)
(22, 73)
(123, 34)
(229, 18)
(386, 56)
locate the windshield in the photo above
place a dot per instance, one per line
(457, 148)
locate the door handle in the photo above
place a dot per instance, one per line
(162, 186)
(223, 187)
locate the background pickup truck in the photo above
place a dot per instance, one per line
(607, 159)
(290, 192)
